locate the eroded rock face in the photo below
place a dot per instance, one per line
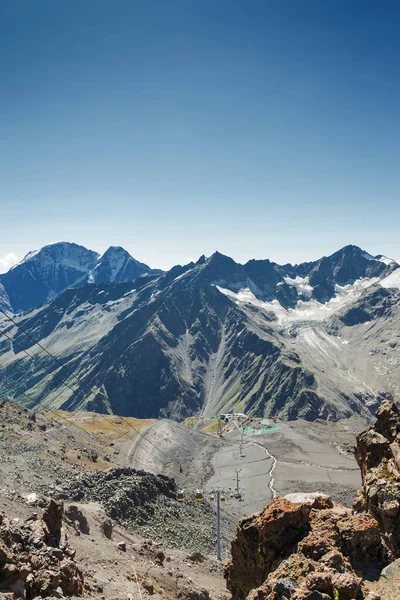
(35, 558)
(315, 550)
(378, 455)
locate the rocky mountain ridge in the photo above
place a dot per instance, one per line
(44, 274)
(317, 340)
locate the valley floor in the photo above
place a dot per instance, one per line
(295, 457)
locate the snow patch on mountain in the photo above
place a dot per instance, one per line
(301, 284)
(392, 280)
(4, 299)
(387, 261)
(305, 310)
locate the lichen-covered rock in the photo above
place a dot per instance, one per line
(34, 559)
(378, 455)
(261, 540)
(305, 550)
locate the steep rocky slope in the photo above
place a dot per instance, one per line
(317, 340)
(116, 264)
(45, 273)
(378, 455)
(307, 549)
(4, 299)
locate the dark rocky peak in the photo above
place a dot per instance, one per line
(174, 273)
(351, 263)
(45, 273)
(220, 269)
(116, 264)
(341, 268)
(264, 272)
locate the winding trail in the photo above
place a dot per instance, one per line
(270, 472)
(272, 480)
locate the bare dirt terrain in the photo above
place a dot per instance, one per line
(296, 456)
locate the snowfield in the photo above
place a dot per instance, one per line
(310, 310)
(392, 280)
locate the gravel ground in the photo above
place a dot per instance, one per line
(146, 503)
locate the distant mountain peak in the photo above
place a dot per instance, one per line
(56, 249)
(50, 270)
(116, 264)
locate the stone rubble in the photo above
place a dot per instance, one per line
(36, 560)
(146, 503)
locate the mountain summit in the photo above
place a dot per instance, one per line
(116, 264)
(44, 274)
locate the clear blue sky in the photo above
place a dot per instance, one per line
(174, 128)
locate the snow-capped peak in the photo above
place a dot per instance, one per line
(116, 264)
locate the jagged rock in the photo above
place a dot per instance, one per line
(107, 528)
(193, 594)
(52, 516)
(30, 563)
(304, 550)
(148, 586)
(76, 517)
(160, 557)
(378, 455)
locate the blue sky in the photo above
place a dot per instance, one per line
(265, 129)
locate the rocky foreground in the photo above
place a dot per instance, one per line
(309, 548)
(72, 527)
(36, 560)
(75, 523)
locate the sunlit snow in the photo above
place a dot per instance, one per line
(392, 280)
(302, 285)
(386, 260)
(310, 310)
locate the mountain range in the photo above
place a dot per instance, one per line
(44, 274)
(311, 340)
